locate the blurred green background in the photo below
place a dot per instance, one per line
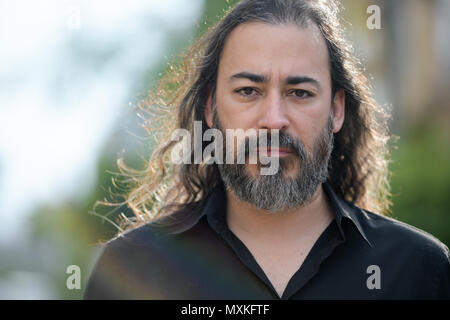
(72, 72)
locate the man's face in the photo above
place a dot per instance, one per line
(278, 77)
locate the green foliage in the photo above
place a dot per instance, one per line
(421, 180)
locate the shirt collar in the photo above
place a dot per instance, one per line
(343, 209)
(215, 211)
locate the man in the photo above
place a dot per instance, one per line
(226, 231)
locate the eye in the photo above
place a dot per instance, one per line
(302, 94)
(246, 91)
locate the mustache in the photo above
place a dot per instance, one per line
(295, 145)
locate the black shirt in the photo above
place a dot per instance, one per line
(360, 255)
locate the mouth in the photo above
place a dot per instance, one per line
(276, 152)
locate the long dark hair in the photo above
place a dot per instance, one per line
(358, 169)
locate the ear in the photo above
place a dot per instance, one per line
(208, 108)
(338, 110)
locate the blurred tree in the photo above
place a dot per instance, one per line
(421, 179)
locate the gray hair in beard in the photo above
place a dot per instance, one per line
(274, 193)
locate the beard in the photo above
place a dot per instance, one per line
(277, 192)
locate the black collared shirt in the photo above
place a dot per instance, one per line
(360, 255)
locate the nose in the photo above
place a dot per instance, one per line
(273, 113)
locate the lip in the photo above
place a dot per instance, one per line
(280, 152)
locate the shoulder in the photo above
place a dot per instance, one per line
(144, 254)
(164, 236)
(384, 229)
(178, 225)
(408, 252)
(140, 236)
(400, 240)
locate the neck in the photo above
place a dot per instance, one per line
(245, 219)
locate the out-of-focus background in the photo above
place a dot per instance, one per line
(71, 73)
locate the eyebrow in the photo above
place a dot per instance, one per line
(258, 78)
(250, 76)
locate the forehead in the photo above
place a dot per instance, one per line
(277, 51)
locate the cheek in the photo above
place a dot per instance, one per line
(234, 115)
(307, 124)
